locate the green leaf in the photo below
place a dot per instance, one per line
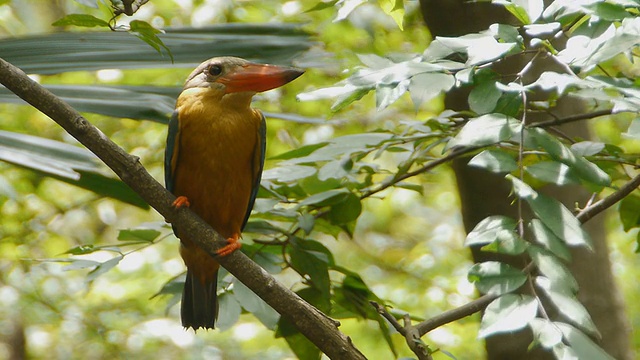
(485, 130)
(65, 162)
(274, 43)
(480, 48)
(526, 11)
(387, 94)
(484, 97)
(493, 277)
(545, 333)
(426, 86)
(311, 258)
(568, 306)
(553, 214)
(255, 305)
(300, 152)
(147, 33)
(352, 298)
(395, 9)
(345, 211)
(329, 197)
(508, 313)
(171, 287)
(84, 20)
(582, 345)
(552, 172)
(143, 235)
(549, 240)
(321, 5)
(78, 264)
(497, 161)
(486, 231)
(82, 250)
(229, 311)
(290, 173)
(507, 242)
(551, 267)
(587, 148)
(104, 267)
(629, 212)
(559, 152)
(306, 222)
(298, 343)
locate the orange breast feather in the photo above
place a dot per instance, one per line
(215, 166)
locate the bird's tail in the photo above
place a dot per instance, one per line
(199, 307)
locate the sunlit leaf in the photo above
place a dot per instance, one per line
(345, 7)
(508, 313)
(553, 214)
(545, 333)
(104, 267)
(507, 242)
(426, 86)
(494, 160)
(84, 20)
(549, 240)
(493, 277)
(486, 231)
(395, 9)
(581, 344)
(485, 130)
(568, 306)
(552, 172)
(553, 269)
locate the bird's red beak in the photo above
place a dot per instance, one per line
(258, 77)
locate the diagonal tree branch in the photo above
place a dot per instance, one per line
(313, 324)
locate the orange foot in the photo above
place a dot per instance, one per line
(233, 244)
(180, 202)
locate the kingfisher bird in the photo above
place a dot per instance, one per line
(213, 164)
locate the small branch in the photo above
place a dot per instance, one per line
(601, 205)
(574, 118)
(428, 166)
(458, 313)
(307, 319)
(411, 334)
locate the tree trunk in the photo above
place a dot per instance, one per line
(483, 193)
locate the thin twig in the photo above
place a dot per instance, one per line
(411, 334)
(458, 313)
(601, 205)
(428, 166)
(574, 118)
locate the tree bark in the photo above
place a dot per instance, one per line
(483, 193)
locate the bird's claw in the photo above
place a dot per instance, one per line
(233, 244)
(180, 202)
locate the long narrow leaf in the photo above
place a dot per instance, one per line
(68, 163)
(74, 51)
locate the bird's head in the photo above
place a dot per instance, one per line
(234, 75)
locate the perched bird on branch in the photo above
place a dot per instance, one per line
(213, 163)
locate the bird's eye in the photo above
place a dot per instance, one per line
(215, 70)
